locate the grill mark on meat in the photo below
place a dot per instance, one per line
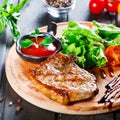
(58, 91)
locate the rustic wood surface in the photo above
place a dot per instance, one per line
(33, 16)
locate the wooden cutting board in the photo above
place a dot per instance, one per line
(17, 71)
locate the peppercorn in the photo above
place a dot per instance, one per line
(59, 3)
(1, 99)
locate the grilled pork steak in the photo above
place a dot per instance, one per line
(62, 80)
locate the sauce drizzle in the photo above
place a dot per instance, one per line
(112, 92)
(111, 72)
(102, 73)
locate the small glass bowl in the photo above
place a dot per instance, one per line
(56, 12)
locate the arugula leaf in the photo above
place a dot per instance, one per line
(46, 42)
(26, 43)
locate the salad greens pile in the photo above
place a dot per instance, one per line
(88, 44)
(9, 14)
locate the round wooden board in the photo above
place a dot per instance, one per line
(17, 71)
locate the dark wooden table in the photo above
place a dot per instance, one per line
(33, 16)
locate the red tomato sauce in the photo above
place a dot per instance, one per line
(37, 50)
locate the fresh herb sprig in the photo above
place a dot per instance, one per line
(35, 33)
(26, 43)
(9, 15)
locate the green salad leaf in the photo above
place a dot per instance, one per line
(89, 44)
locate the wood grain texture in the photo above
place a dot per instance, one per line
(17, 71)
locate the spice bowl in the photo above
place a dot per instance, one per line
(63, 7)
(30, 54)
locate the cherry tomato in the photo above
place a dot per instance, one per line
(96, 6)
(112, 5)
(113, 55)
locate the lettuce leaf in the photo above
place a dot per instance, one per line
(89, 44)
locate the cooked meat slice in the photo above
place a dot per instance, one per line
(62, 80)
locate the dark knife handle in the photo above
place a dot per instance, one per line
(52, 28)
